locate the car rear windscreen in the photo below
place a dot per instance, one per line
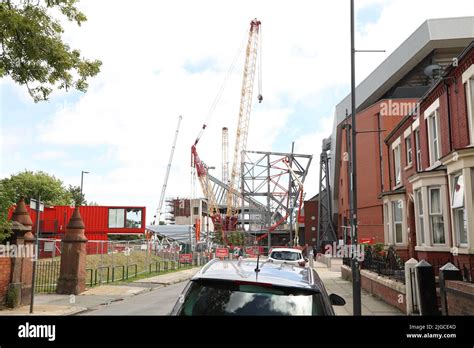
(286, 255)
(230, 298)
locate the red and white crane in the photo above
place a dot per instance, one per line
(243, 122)
(240, 141)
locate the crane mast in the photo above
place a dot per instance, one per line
(163, 190)
(225, 155)
(243, 122)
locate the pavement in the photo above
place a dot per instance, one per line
(98, 297)
(331, 277)
(169, 279)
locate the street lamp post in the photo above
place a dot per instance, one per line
(82, 181)
(356, 283)
(38, 206)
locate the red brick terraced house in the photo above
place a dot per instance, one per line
(383, 100)
(429, 209)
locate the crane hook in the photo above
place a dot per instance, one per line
(260, 98)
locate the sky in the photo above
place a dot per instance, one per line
(162, 59)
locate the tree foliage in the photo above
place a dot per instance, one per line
(6, 201)
(77, 197)
(32, 52)
(29, 185)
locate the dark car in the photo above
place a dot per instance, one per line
(242, 288)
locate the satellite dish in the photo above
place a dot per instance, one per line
(433, 70)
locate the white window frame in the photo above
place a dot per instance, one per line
(432, 214)
(468, 85)
(116, 218)
(419, 168)
(424, 181)
(457, 207)
(433, 128)
(395, 222)
(420, 218)
(409, 152)
(397, 165)
(432, 112)
(389, 223)
(386, 218)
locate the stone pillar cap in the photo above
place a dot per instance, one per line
(76, 220)
(449, 267)
(21, 214)
(423, 263)
(75, 228)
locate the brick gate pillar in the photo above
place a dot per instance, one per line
(22, 264)
(72, 276)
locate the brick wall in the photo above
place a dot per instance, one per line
(5, 271)
(370, 207)
(389, 291)
(460, 297)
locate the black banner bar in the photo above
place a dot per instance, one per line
(137, 330)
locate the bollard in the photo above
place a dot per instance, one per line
(447, 272)
(425, 279)
(411, 289)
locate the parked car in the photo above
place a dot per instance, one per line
(287, 255)
(249, 287)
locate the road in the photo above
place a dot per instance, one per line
(159, 301)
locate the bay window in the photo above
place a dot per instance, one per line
(395, 218)
(398, 221)
(436, 216)
(386, 219)
(420, 220)
(459, 210)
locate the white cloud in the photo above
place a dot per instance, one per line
(50, 155)
(133, 105)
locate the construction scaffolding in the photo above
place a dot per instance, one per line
(273, 179)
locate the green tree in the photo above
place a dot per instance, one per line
(77, 197)
(32, 51)
(6, 201)
(28, 185)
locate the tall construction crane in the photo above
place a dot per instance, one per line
(240, 142)
(163, 190)
(243, 121)
(225, 155)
